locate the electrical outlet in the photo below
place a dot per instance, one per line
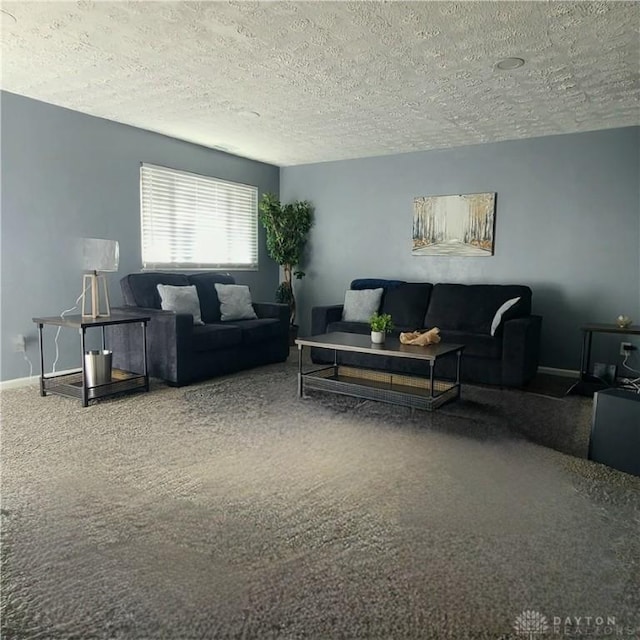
(625, 348)
(19, 344)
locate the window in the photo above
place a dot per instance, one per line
(191, 221)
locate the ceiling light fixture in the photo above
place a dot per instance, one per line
(509, 63)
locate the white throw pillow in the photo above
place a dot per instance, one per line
(235, 302)
(497, 319)
(360, 305)
(181, 299)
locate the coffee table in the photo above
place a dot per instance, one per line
(418, 392)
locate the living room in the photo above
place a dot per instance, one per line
(88, 95)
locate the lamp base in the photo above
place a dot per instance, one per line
(91, 281)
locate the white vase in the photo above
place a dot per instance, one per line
(377, 337)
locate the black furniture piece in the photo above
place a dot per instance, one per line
(74, 384)
(588, 384)
(416, 392)
(615, 430)
(464, 315)
(180, 352)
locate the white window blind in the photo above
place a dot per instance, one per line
(191, 221)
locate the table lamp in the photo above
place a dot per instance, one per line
(97, 256)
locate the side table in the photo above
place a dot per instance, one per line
(73, 383)
(587, 384)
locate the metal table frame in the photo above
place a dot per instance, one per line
(588, 330)
(413, 391)
(587, 384)
(73, 383)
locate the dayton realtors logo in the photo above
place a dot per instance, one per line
(531, 624)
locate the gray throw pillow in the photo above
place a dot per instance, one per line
(235, 302)
(181, 299)
(360, 305)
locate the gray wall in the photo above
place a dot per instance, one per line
(67, 175)
(567, 224)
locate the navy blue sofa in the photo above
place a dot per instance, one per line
(180, 352)
(464, 315)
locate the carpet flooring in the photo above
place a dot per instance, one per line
(547, 384)
(234, 509)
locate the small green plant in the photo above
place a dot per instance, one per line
(381, 322)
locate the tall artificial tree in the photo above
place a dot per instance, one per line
(287, 228)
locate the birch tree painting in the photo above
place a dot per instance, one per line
(454, 225)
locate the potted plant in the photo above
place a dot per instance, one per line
(287, 228)
(381, 324)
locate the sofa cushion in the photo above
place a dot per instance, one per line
(210, 337)
(360, 305)
(349, 327)
(374, 283)
(141, 289)
(181, 299)
(209, 302)
(235, 302)
(362, 327)
(475, 344)
(259, 330)
(471, 308)
(407, 303)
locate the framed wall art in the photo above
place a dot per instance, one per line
(461, 225)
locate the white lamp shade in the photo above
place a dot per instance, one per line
(100, 255)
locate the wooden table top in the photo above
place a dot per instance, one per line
(360, 343)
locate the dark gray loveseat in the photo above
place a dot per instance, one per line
(464, 315)
(180, 352)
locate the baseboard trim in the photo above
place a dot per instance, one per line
(17, 383)
(567, 373)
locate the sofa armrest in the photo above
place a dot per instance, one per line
(520, 350)
(322, 316)
(273, 310)
(169, 344)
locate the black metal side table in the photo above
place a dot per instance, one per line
(587, 384)
(587, 334)
(74, 383)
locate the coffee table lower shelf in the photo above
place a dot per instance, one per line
(399, 389)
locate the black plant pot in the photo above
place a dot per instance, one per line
(293, 334)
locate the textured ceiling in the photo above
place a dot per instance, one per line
(330, 80)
